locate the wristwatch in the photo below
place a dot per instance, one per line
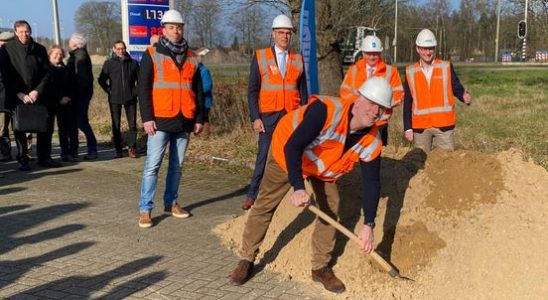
(370, 224)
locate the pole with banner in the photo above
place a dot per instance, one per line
(308, 45)
(140, 21)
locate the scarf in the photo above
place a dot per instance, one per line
(176, 48)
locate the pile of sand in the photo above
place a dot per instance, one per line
(462, 225)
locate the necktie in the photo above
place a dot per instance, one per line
(281, 63)
(370, 72)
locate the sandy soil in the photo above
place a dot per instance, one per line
(462, 225)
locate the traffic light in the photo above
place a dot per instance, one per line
(522, 29)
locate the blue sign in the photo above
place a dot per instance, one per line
(143, 22)
(308, 45)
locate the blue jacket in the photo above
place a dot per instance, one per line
(207, 85)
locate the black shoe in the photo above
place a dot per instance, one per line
(69, 158)
(242, 272)
(91, 156)
(24, 167)
(330, 282)
(49, 163)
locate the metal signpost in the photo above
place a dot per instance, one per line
(140, 21)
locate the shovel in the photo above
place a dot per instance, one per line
(376, 257)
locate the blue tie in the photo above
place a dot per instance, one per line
(281, 63)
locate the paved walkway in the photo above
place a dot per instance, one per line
(72, 233)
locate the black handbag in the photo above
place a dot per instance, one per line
(30, 118)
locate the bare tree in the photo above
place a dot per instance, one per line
(249, 25)
(100, 22)
(204, 18)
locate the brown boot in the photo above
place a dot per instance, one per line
(242, 272)
(132, 153)
(176, 211)
(330, 282)
(145, 221)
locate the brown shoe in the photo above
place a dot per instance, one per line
(330, 282)
(132, 153)
(248, 203)
(242, 272)
(144, 220)
(176, 211)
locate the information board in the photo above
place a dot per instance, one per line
(141, 20)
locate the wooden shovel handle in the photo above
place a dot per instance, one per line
(383, 263)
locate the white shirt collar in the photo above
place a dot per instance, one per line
(278, 50)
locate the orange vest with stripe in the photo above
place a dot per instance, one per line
(357, 75)
(172, 88)
(433, 105)
(279, 93)
(325, 158)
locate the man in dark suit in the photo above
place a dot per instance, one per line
(277, 85)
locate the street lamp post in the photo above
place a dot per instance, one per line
(395, 43)
(56, 31)
(498, 30)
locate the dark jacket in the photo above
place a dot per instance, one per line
(61, 84)
(80, 63)
(2, 90)
(118, 79)
(26, 69)
(178, 123)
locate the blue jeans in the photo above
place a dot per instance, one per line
(156, 147)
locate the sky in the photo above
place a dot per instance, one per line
(39, 13)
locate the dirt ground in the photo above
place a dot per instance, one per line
(463, 225)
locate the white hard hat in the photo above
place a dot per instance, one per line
(426, 38)
(371, 43)
(282, 21)
(172, 16)
(378, 90)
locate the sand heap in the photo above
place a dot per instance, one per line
(463, 225)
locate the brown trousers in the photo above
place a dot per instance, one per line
(274, 186)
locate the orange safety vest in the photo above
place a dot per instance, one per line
(172, 88)
(325, 158)
(433, 105)
(357, 75)
(279, 93)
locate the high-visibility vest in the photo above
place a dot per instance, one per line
(357, 75)
(172, 88)
(325, 158)
(433, 105)
(279, 93)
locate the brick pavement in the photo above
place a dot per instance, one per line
(72, 233)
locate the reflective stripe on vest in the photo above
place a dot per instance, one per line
(172, 92)
(330, 135)
(279, 93)
(447, 107)
(158, 58)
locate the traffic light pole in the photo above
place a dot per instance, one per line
(524, 47)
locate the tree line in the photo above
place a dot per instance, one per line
(466, 32)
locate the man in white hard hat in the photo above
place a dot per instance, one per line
(318, 142)
(277, 85)
(172, 107)
(370, 66)
(429, 107)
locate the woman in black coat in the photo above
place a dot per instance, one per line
(61, 92)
